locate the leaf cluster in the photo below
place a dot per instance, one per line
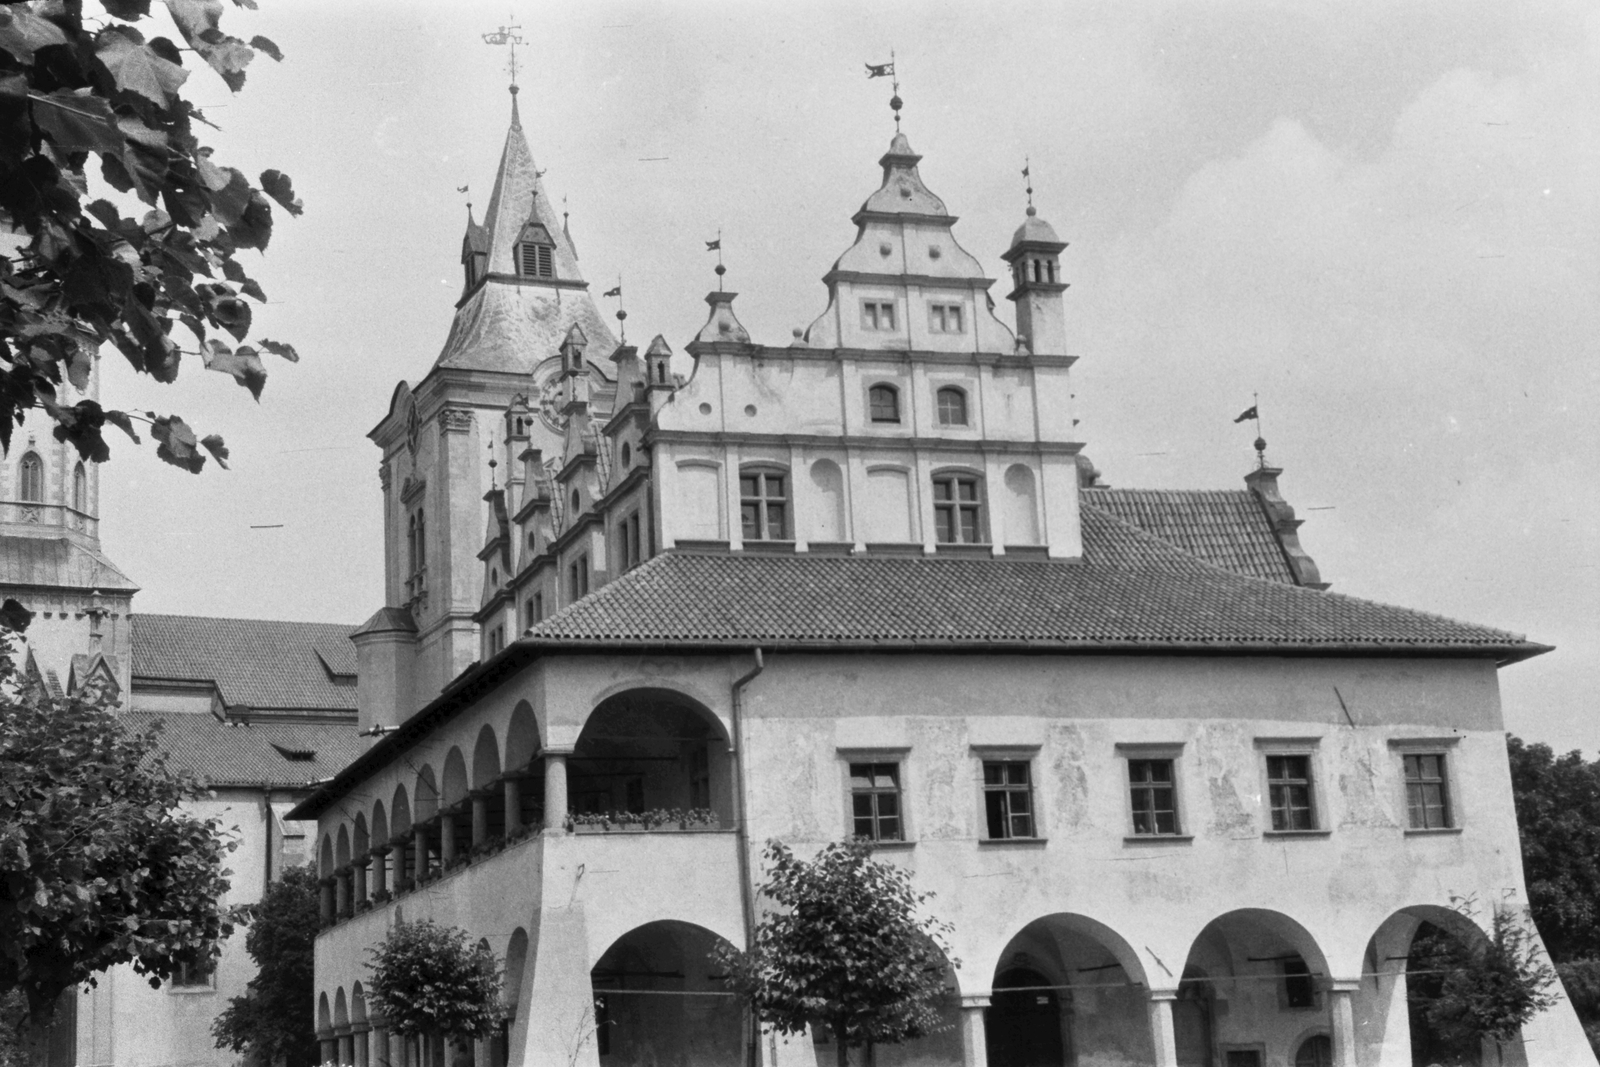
(1558, 812)
(275, 1021)
(99, 863)
(845, 945)
(74, 276)
(1483, 986)
(432, 979)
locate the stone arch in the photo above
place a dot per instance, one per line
(324, 1014)
(648, 748)
(516, 963)
(325, 857)
(341, 848)
(380, 824)
(1020, 506)
(425, 795)
(360, 839)
(341, 1012)
(522, 737)
(453, 789)
(399, 812)
(703, 1026)
(358, 1004)
(1067, 987)
(485, 758)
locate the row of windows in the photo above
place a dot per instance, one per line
(957, 507)
(878, 814)
(879, 316)
(950, 404)
(30, 482)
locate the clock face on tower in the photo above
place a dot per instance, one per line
(547, 380)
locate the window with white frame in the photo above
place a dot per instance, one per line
(764, 504)
(877, 315)
(1427, 791)
(958, 508)
(1008, 799)
(875, 810)
(1289, 792)
(578, 577)
(883, 403)
(945, 318)
(951, 402)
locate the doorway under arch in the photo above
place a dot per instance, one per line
(1027, 1020)
(659, 999)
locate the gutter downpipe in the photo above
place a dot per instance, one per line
(742, 840)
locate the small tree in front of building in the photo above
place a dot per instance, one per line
(275, 1021)
(1471, 989)
(429, 980)
(847, 946)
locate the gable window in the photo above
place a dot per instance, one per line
(883, 403)
(877, 314)
(957, 509)
(629, 541)
(1008, 799)
(535, 260)
(578, 577)
(416, 551)
(944, 318)
(875, 801)
(1427, 792)
(1289, 792)
(497, 640)
(80, 488)
(31, 472)
(952, 404)
(763, 505)
(1153, 793)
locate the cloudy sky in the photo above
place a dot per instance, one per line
(1381, 217)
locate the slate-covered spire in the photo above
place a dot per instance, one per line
(519, 198)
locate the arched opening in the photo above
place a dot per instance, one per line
(360, 841)
(827, 503)
(522, 762)
(658, 999)
(380, 824)
(650, 750)
(1314, 1051)
(324, 1015)
(1021, 507)
(455, 811)
(30, 476)
(1254, 978)
(80, 488)
(325, 857)
(1067, 989)
(485, 759)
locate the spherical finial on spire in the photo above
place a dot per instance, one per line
(513, 90)
(1261, 444)
(622, 316)
(1032, 211)
(719, 270)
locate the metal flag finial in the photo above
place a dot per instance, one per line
(507, 35)
(1027, 177)
(887, 70)
(716, 246)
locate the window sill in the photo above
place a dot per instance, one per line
(1157, 839)
(759, 546)
(892, 846)
(894, 548)
(1296, 833)
(191, 990)
(1431, 831)
(1012, 842)
(965, 550)
(830, 548)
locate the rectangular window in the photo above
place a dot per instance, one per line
(1427, 793)
(877, 314)
(944, 318)
(578, 577)
(1154, 794)
(957, 512)
(875, 801)
(497, 640)
(537, 261)
(1289, 792)
(194, 975)
(763, 506)
(1299, 990)
(537, 607)
(1008, 799)
(628, 542)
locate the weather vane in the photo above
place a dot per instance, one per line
(622, 314)
(716, 246)
(1254, 412)
(507, 35)
(886, 70)
(1027, 177)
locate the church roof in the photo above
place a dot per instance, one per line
(1225, 527)
(285, 754)
(254, 663)
(58, 561)
(1132, 592)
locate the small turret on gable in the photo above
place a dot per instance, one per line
(532, 519)
(1035, 258)
(658, 364)
(722, 329)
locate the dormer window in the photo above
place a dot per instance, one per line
(536, 252)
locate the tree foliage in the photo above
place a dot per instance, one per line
(77, 94)
(845, 946)
(1468, 988)
(1558, 812)
(275, 1021)
(432, 979)
(99, 865)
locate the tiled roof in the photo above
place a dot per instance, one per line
(1132, 592)
(57, 561)
(227, 754)
(1226, 527)
(254, 662)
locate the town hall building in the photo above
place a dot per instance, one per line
(1179, 803)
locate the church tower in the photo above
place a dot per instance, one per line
(51, 560)
(522, 296)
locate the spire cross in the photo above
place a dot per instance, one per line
(507, 35)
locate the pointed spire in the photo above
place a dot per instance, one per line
(518, 199)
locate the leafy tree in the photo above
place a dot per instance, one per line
(73, 275)
(1469, 988)
(429, 979)
(1558, 812)
(275, 1021)
(845, 947)
(99, 865)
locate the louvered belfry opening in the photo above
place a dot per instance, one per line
(535, 260)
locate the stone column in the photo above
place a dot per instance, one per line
(344, 1045)
(379, 1052)
(1342, 1020)
(419, 845)
(555, 791)
(363, 1048)
(359, 869)
(480, 818)
(329, 1046)
(1163, 1038)
(326, 902)
(447, 838)
(512, 787)
(380, 870)
(974, 1039)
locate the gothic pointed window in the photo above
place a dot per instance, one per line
(80, 488)
(31, 478)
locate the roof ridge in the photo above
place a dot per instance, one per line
(235, 618)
